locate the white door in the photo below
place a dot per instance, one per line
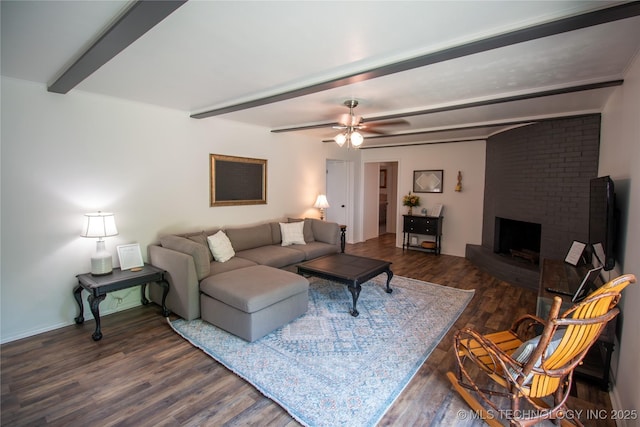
(371, 200)
(338, 193)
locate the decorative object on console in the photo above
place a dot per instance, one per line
(411, 200)
(321, 203)
(130, 257)
(459, 184)
(428, 181)
(100, 225)
(436, 211)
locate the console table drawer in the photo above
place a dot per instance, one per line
(411, 221)
(429, 230)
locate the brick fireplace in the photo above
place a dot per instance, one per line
(537, 174)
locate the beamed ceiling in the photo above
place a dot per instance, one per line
(441, 71)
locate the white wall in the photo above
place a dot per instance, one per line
(620, 158)
(65, 155)
(462, 211)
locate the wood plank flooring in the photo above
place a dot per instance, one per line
(141, 373)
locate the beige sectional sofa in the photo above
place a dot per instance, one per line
(245, 288)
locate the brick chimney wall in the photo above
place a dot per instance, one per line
(540, 173)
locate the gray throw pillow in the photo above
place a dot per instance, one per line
(526, 349)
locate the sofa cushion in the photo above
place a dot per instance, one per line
(233, 264)
(276, 236)
(292, 233)
(272, 255)
(220, 246)
(325, 231)
(201, 238)
(253, 288)
(316, 249)
(197, 251)
(250, 237)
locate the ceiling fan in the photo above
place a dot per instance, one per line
(351, 125)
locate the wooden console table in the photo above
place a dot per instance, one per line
(560, 275)
(424, 225)
(99, 286)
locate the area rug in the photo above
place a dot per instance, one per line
(328, 368)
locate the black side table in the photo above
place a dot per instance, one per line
(99, 286)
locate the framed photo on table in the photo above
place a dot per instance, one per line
(428, 181)
(130, 256)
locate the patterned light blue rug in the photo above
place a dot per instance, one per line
(328, 368)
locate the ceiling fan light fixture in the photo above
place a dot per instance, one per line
(340, 139)
(356, 139)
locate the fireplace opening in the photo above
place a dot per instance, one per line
(519, 239)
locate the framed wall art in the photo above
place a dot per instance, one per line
(428, 181)
(237, 180)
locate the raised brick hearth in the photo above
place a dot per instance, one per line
(538, 174)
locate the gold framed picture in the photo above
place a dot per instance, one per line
(237, 180)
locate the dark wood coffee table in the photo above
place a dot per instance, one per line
(348, 269)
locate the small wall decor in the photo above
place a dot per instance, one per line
(459, 184)
(428, 181)
(237, 180)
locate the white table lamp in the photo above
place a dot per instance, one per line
(322, 204)
(100, 225)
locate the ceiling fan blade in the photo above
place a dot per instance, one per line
(367, 129)
(388, 123)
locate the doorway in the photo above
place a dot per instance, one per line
(380, 198)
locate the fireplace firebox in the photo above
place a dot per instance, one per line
(519, 239)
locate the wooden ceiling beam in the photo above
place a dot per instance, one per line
(602, 16)
(132, 24)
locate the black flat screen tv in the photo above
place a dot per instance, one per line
(602, 218)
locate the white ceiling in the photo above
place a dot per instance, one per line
(211, 54)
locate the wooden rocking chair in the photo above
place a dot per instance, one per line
(526, 372)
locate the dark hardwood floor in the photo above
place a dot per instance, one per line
(142, 373)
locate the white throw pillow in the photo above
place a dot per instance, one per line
(292, 233)
(220, 246)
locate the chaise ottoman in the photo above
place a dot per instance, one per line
(250, 302)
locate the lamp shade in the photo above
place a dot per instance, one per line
(321, 202)
(356, 139)
(99, 224)
(340, 139)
